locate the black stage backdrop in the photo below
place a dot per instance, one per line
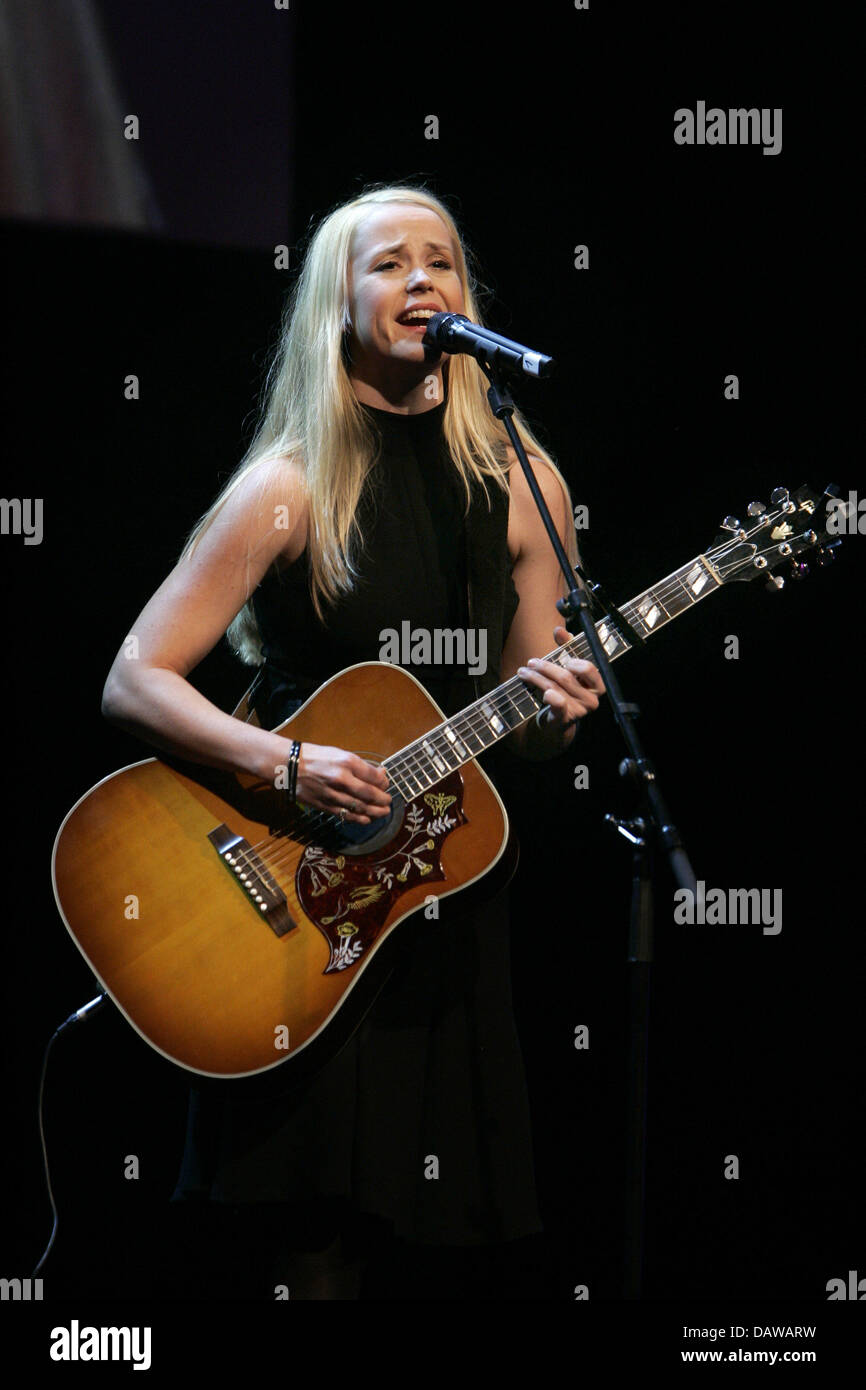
(555, 131)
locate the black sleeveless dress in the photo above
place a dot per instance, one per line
(435, 1069)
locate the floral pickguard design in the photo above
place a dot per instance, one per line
(349, 896)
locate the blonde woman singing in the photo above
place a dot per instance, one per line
(396, 490)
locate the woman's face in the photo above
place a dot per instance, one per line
(402, 259)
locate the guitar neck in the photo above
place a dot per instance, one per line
(425, 762)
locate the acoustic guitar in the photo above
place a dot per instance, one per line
(237, 934)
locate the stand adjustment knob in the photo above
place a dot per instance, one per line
(633, 830)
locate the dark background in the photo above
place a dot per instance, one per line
(556, 128)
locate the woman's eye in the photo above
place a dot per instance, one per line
(442, 264)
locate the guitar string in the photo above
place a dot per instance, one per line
(466, 723)
(416, 768)
(412, 762)
(275, 861)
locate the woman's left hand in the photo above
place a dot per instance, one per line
(571, 689)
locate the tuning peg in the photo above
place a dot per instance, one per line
(779, 495)
(755, 508)
(775, 583)
(730, 523)
(799, 569)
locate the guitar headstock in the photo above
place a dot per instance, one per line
(775, 538)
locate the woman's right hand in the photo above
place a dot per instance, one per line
(335, 780)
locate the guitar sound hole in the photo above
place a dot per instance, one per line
(348, 837)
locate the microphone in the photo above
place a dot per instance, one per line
(455, 333)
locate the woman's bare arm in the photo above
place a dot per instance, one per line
(572, 690)
(147, 691)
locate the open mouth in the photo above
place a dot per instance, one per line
(416, 320)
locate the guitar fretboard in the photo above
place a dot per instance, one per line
(420, 765)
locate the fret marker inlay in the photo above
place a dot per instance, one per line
(492, 718)
(434, 756)
(649, 611)
(696, 579)
(455, 742)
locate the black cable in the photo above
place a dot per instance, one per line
(80, 1014)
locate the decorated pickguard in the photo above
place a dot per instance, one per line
(350, 896)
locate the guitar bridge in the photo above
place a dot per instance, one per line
(263, 892)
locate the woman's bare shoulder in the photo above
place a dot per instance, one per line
(267, 507)
(523, 517)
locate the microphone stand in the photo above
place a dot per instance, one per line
(649, 829)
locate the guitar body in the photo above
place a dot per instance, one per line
(235, 939)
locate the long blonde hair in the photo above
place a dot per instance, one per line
(311, 414)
